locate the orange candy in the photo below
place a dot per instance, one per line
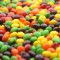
(30, 15)
(14, 51)
(48, 37)
(46, 46)
(6, 36)
(26, 23)
(18, 57)
(19, 12)
(8, 18)
(22, 20)
(32, 23)
(51, 50)
(35, 11)
(20, 48)
(47, 21)
(18, 3)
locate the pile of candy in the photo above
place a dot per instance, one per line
(29, 30)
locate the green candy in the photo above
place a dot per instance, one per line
(16, 45)
(49, 28)
(37, 34)
(9, 23)
(40, 21)
(33, 39)
(32, 59)
(38, 46)
(1, 12)
(14, 29)
(14, 1)
(28, 11)
(4, 48)
(37, 16)
(50, 1)
(13, 5)
(27, 17)
(33, 48)
(13, 58)
(56, 40)
(47, 14)
(30, 8)
(3, 3)
(1, 44)
(26, 27)
(27, 37)
(45, 33)
(31, 29)
(55, 59)
(12, 40)
(5, 57)
(39, 51)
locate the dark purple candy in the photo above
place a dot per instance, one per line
(39, 57)
(32, 54)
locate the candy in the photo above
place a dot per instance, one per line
(40, 21)
(46, 53)
(33, 48)
(35, 34)
(9, 23)
(14, 51)
(5, 57)
(26, 36)
(13, 58)
(4, 48)
(19, 41)
(14, 29)
(12, 40)
(39, 57)
(1, 44)
(29, 30)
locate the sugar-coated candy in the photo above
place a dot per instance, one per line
(29, 29)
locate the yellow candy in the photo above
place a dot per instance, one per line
(19, 41)
(20, 34)
(22, 25)
(53, 33)
(42, 12)
(46, 53)
(16, 21)
(58, 11)
(18, 8)
(1, 26)
(57, 8)
(51, 3)
(59, 56)
(57, 16)
(42, 17)
(50, 42)
(15, 25)
(40, 38)
(58, 50)
(34, 6)
(56, 36)
(44, 41)
(25, 8)
(34, 17)
(53, 55)
(13, 34)
(40, 1)
(36, 43)
(5, 9)
(53, 22)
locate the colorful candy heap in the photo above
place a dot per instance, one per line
(29, 30)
